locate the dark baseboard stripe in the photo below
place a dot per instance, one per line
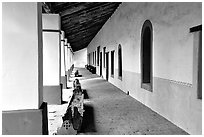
(44, 118)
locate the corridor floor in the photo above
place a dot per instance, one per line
(110, 111)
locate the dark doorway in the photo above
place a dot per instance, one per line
(112, 63)
(107, 65)
(146, 55)
(100, 63)
(98, 52)
(104, 52)
(120, 62)
(95, 58)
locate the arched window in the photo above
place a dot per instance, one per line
(119, 62)
(146, 55)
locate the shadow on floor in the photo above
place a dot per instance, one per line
(86, 96)
(88, 123)
(89, 77)
(78, 76)
(64, 102)
(69, 87)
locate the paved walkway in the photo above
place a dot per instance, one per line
(109, 111)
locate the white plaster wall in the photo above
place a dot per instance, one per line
(51, 58)
(172, 57)
(80, 58)
(21, 56)
(51, 21)
(171, 23)
(51, 50)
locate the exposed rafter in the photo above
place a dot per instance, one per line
(81, 21)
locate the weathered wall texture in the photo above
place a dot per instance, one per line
(22, 122)
(174, 95)
(80, 58)
(52, 94)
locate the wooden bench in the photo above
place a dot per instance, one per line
(91, 68)
(72, 120)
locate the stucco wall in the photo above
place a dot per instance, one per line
(80, 58)
(173, 93)
(22, 122)
(52, 94)
(21, 56)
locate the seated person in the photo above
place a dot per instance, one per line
(76, 73)
(77, 90)
(76, 83)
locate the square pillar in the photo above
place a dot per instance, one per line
(63, 69)
(22, 69)
(66, 60)
(52, 91)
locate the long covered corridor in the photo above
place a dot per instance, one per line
(110, 111)
(101, 68)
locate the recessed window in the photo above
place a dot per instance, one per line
(119, 62)
(112, 63)
(146, 56)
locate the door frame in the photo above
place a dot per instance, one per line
(107, 65)
(100, 63)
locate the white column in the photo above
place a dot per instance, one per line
(66, 55)
(51, 49)
(62, 54)
(69, 56)
(21, 56)
(24, 112)
(63, 63)
(66, 61)
(51, 58)
(72, 54)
